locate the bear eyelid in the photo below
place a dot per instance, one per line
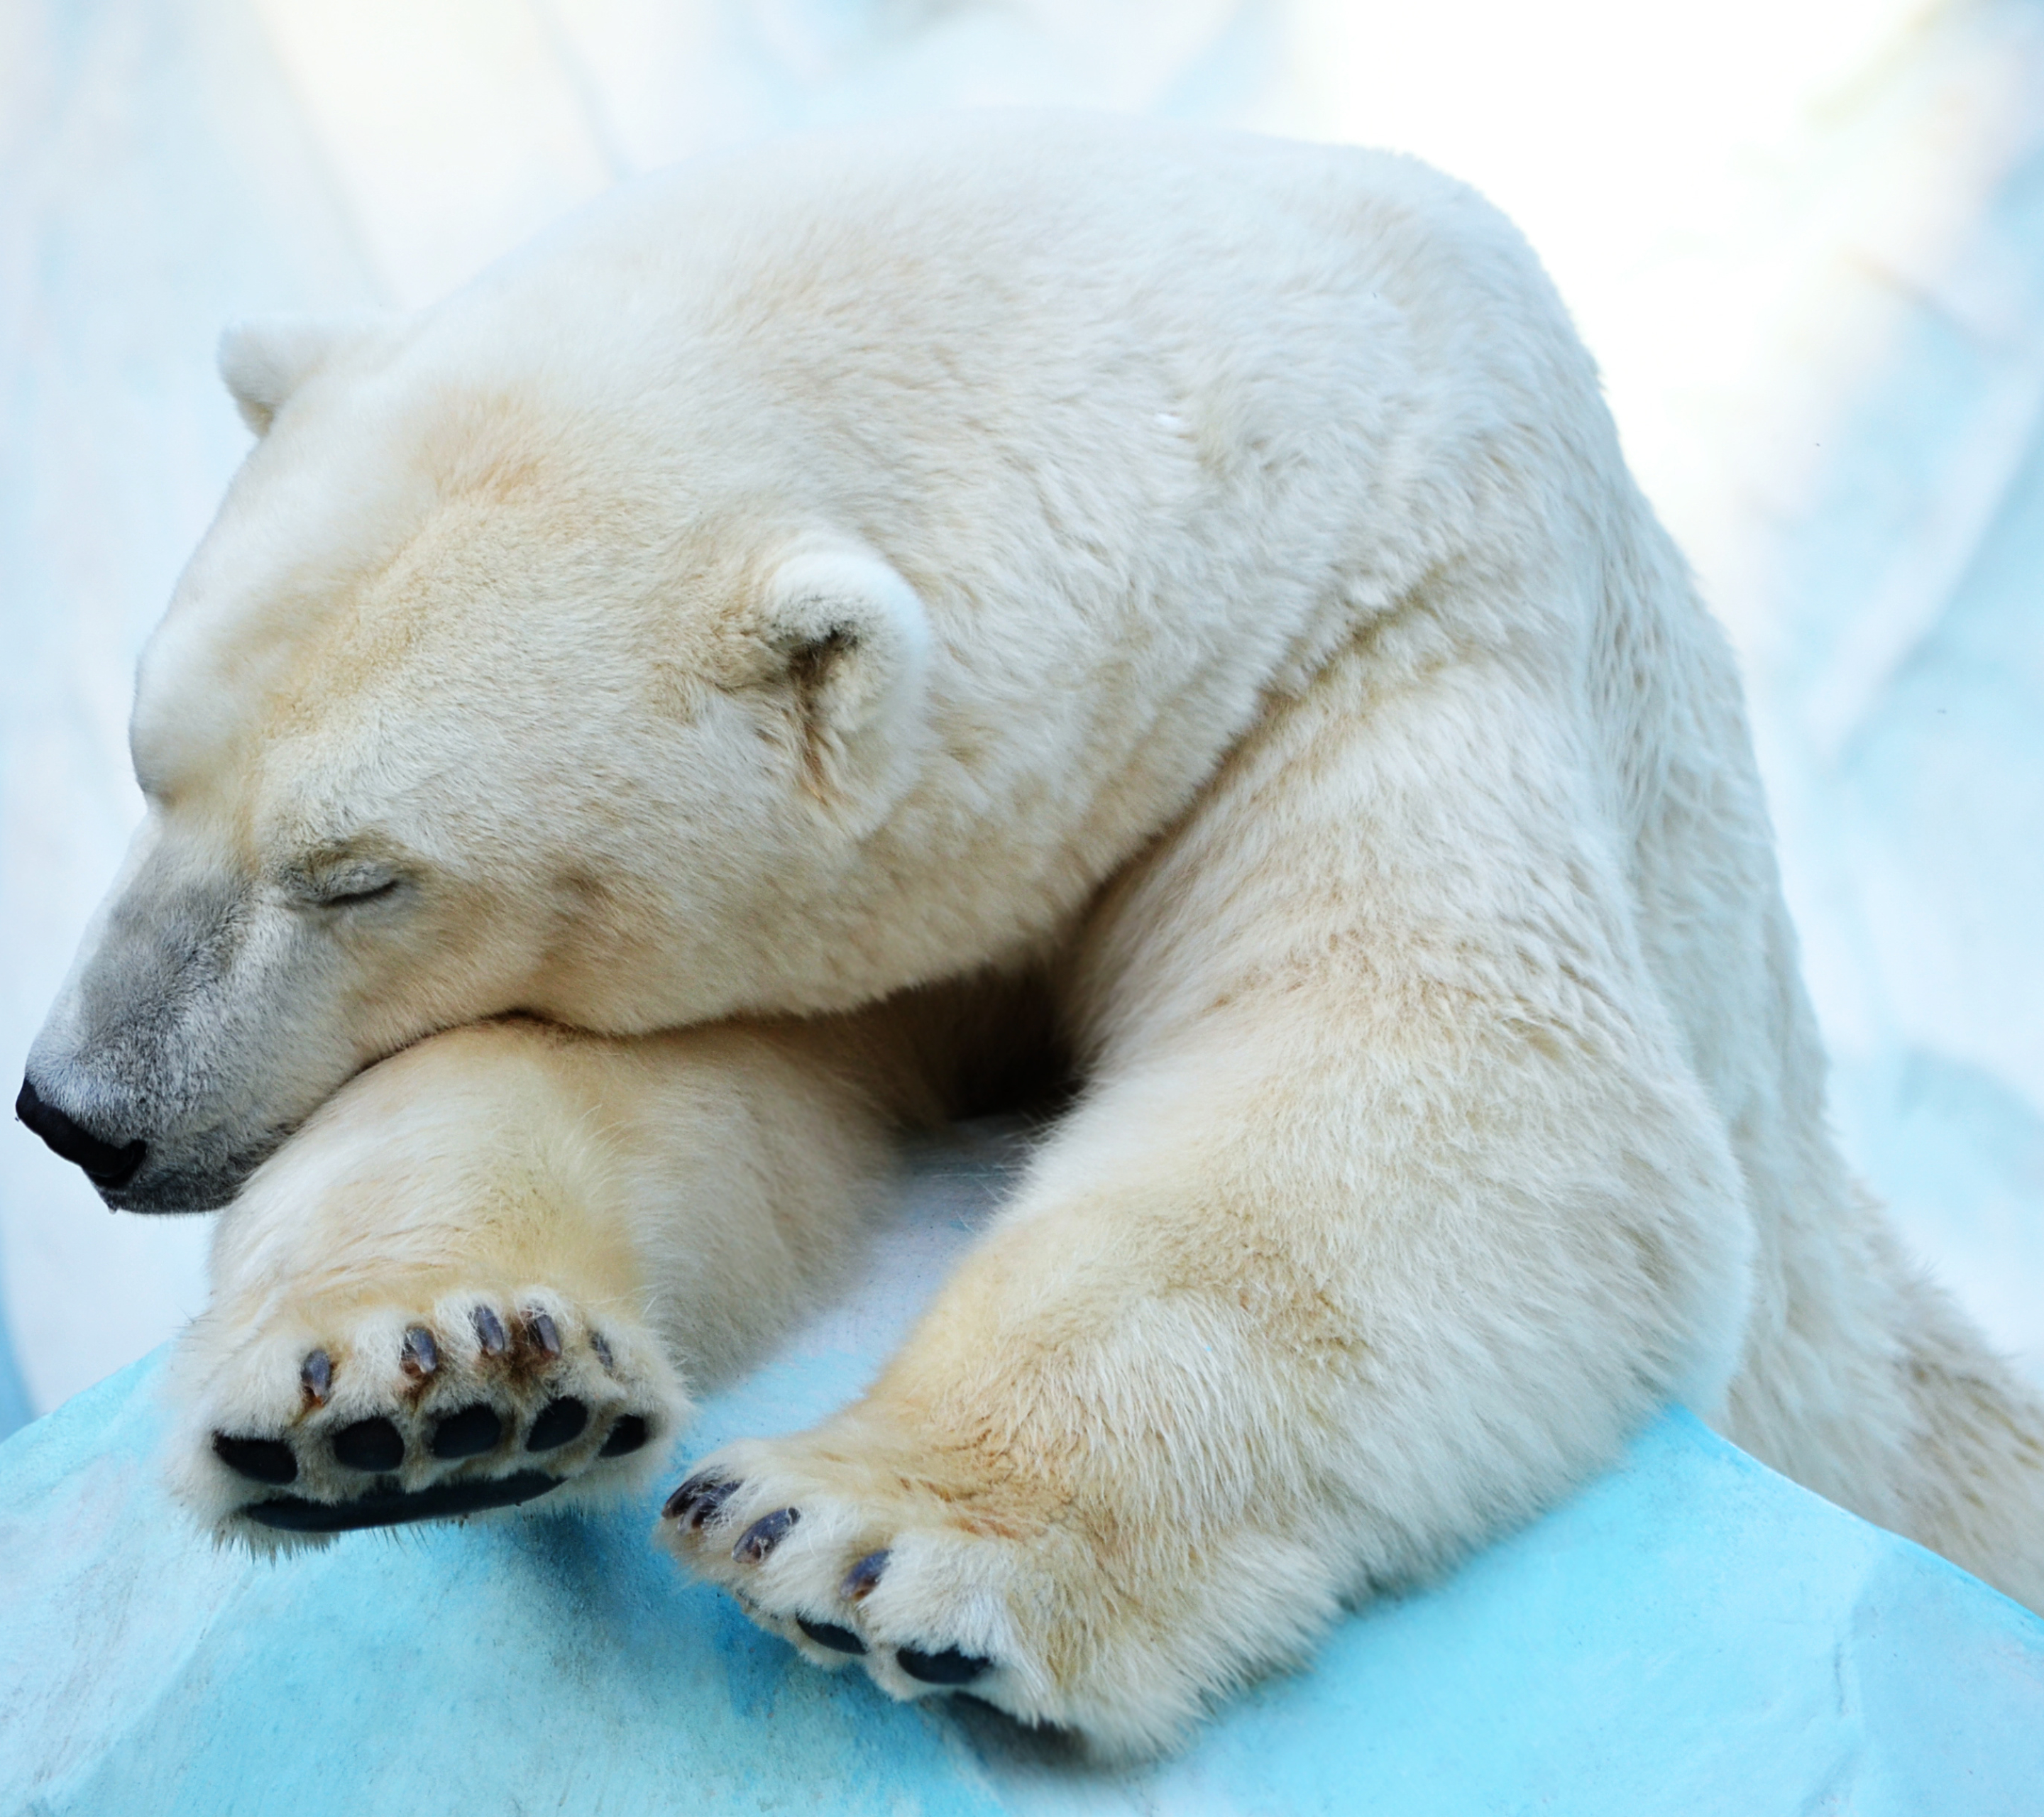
(347, 898)
(347, 887)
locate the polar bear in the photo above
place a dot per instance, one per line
(877, 627)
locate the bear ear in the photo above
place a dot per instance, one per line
(265, 360)
(851, 640)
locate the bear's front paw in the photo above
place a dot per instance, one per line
(339, 1416)
(937, 1570)
(844, 1574)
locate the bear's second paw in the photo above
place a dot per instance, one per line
(936, 1570)
(809, 1562)
(332, 1418)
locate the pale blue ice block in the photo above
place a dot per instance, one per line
(1691, 1635)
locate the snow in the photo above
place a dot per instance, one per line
(1807, 240)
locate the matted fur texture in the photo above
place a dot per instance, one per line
(826, 638)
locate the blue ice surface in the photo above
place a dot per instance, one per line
(1691, 1634)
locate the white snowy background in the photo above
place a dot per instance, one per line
(1805, 238)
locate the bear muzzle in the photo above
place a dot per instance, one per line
(150, 1170)
(109, 1165)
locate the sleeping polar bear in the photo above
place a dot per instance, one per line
(840, 637)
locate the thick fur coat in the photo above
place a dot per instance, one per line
(839, 636)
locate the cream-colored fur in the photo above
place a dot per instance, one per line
(1183, 588)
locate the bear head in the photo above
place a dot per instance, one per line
(480, 696)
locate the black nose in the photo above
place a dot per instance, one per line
(104, 1164)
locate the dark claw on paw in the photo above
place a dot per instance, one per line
(468, 1433)
(489, 1331)
(859, 1580)
(597, 1343)
(541, 1330)
(420, 1355)
(699, 1498)
(558, 1422)
(625, 1437)
(369, 1445)
(766, 1533)
(260, 1460)
(316, 1377)
(828, 1634)
(395, 1508)
(950, 1667)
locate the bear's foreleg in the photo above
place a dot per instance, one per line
(1391, 1211)
(492, 1267)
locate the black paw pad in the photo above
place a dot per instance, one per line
(860, 1579)
(558, 1422)
(828, 1634)
(259, 1460)
(369, 1445)
(698, 1499)
(393, 1507)
(468, 1433)
(950, 1667)
(759, 1540)
(625, 1437)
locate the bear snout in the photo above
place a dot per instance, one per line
(109, 1164)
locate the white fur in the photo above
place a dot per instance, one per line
(1186, 586)
(265, 360)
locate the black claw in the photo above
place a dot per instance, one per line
(699, 1498)
(391, 1507)
(950, 1667)
(468, 1433)
(490, 1331)
(558, 1422)
(828, 1634)
(545, 1337)
(859, 1580)
(316, 1377)
(625, 1437)
(766, 1533)
(420, 1355)
(369, 1445)
(598, 1343)
(260, 1460)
